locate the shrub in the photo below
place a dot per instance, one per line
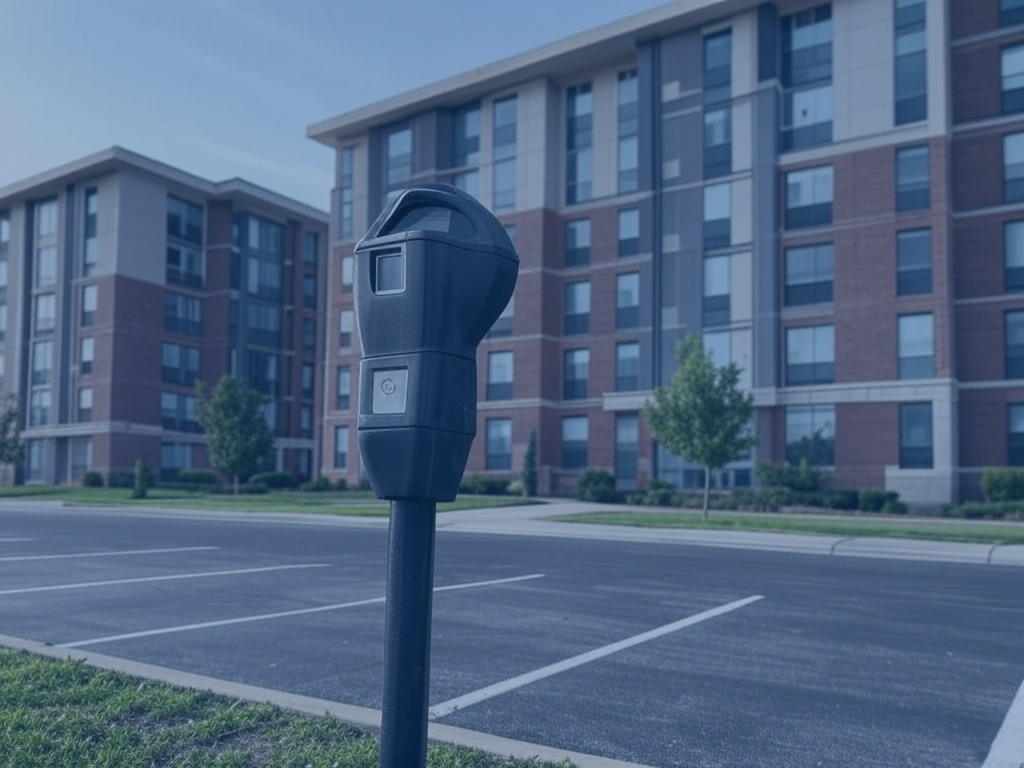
(341, 484)
(484, 485)
(803, 477)
(1003, 484)
(275, 480)
(317, 485)
(142, 479)
(252, 488)
(875, 499)
(197, 477)
(92, 479)
(120, 478)
(842, 498)
(894, 507)
(979, 510)
(597, 485)
(659, 493)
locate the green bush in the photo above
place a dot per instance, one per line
(842, 498)
(341, 484)
(875, 499)
(659, 493)
(484, 485)
(597, 485)
(92, 479)
(197, 477)
(252, 488)
(1003, 484)
(142, 479)
(980, 510)
(120, 478)
(894, 507)
(317, 485)
(802, 478)
(275, 480)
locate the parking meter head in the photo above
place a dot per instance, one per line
(433, 273)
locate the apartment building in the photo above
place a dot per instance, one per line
(831, 194)
(123, 281)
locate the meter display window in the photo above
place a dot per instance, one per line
(390, 272)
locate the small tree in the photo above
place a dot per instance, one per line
(11, 447)
(702, 415)
(143, 480)
(237, 436)
(529, 475)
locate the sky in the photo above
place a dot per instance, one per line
(226, 88)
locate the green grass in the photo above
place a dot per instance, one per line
(910, 529)
(66, 714)
(352, 503)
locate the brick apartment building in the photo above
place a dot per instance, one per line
(832, 194)
(122, 281)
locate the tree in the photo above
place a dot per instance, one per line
(529, 475)
(702, 415)
(237, 436)
(11, 447)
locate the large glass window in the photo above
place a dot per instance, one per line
(911, 66)
(627, 301)
(341, 447)
(810, 272)
(1015, 344)
(308, 336)
(916, 346)
(346, 324)
(174, 457)
(90, 300)
(717, 215)
(916, 445)
(499, 375)
(42, 363)
(399, 155)
(810, 355)
(466, 136)
(1012, 72)
(183, 314)
(85, 404)
(913, 262)
(807, 78)
(81, 457)
(577, 242)
(46, 311)
(1011, 12)
(90, 252)
(46, 218)
(629, 232)
(308, 381)
(264, 372)
(86, 353)
(579, 141)
(716, 290)
(1013, 255)
(574, 442)
(577, 307)
(577, 374)
(629, 143)
(348, 273)
(310, 248)
(809, 197)
(46, 266)
(499, 444)
(717, 65)
(184, 265)
(627, 366)
(39, 407)
(34, 461)
(180, 364)
(184, 220)
(504, 151)
(811, 434)
(346, 183)
(264, 324)
(1015, 438)
(717, 142)
(627, 450)
(344, 388)
(913, 178)
(1013, 168)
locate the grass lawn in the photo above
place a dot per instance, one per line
(934, 530)
(66, 714)
(355, 503)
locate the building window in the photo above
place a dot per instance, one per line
(346, 184)
(579, 141)
(576, 375)
(466, 136)
(264, 372)
(306, 421)
(717, 142)
(627, 450)
(180, 364)
(309, 291)
(577, 243)
(85, 404)
(39, 408)
(86, 354)
(916, 346)
(627, 301)
(178, 412)
(1015, 344)
(46, 310)
(46, 266)
(310, 248)
(913, 262)
(810, 355)
(910, 64)
(89, 301)
(308, 381)
(718, 344)
(344, 388)
(629, 143)
(809, 274)
(577, 307)
(184, 266)
(807, 78)
(174, 457)
(34, 461)
(182, 314)
(81, 457)
(1015, 441)
(503, 325)
(346, 323)
(341, 447)
(348, 267)
(1012, 71)
(627, 366)
(1013, 255)
(499, 444)
(717, 216)
(718, 67)
(504, 151)
(499, 376)
(308, 336)
(42, 362)
(398, 145)
(1013, 168)
(264, 324)
(574, 442)
(913, 178)
(1011, 12)
(809, 198)
(5, 233)
(811, 435)
(716, 290)
(46, 218)
(5, 276)
(468, 182)
(89, 245)
(263, 278)
(184, 220)
(629, 232)
(916, 436)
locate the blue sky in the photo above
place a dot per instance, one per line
(225, 88)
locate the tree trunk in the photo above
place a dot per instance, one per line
(707, 494)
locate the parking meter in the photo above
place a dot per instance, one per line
(433, 273)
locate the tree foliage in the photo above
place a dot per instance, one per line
(237, 436)
(529, 475)
(11, 445)
(702, 415)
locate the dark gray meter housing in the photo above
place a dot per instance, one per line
(433, 273)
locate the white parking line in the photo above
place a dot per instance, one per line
(281, 614)
(23, 558)
(12, 541)
(1008, 749)
(172, 577)
(461, 702)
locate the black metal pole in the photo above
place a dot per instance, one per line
(410, 591)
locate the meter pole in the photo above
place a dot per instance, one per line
(410, 590)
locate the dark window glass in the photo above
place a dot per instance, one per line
(1014, 322)
(1015, 429)
(627, 366)
(577, 307)
(1011, 12)
(629, 232)
(499, 444)
(717, 142)
(809, 198)
(1013, 255)
(810, 355)
(916, 436)
(627, 450)
(499, 375)
(913, 178)
(574, 442)
(809, 274)
(1013, 168)
(577, 243)
(914, 262)
(576, 374)
(627, 301)
(811, 435)
(344, 388)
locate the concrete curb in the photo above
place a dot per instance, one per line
(361, 717)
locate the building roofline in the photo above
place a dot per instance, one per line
(562, 57)
(115, 158)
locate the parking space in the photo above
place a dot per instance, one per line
(652, 653)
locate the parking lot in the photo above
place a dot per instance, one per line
(656, 653)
